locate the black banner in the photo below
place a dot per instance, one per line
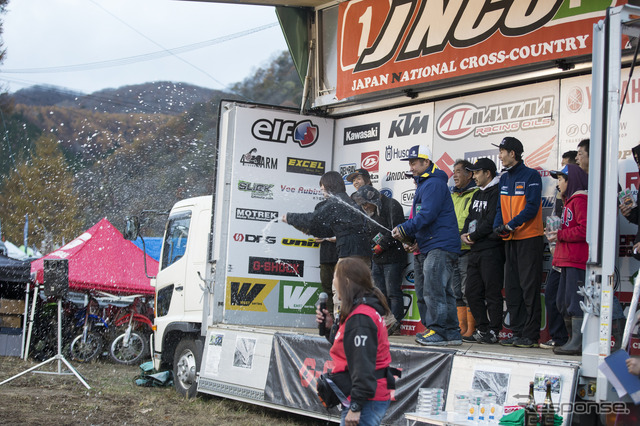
(298, 360)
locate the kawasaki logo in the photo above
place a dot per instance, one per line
(463, 119)
(304, 133)
(417, 29)
(409, 124)
(359, 134)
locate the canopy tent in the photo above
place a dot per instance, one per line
(16, 252)
(101, 259)
(13, 271)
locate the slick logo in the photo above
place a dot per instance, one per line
(258, 215)
(307, 167)
(269, 266)
(292, 242)
(252, 159)
(304, 133)
(464, 119)
(258, 190)
(298, 298)
(387, 192)
(345, 170)
(406, 198)
(390, 153)
(246, 294)
(401, 36)
(370, 160)
(360, 134)
(410, 123)
(251, 238)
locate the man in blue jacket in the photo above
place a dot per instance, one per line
(435, 228)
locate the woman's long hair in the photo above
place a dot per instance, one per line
(355, 282)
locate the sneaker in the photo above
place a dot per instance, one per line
(508, 342)
(474, 338)
(488, 337)
(549, 344)
(525, 342)
(431, 338)
(454, 342)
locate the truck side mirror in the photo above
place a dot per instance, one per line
(132, 228)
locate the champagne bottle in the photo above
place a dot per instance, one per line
(548, 412)
(531, 410)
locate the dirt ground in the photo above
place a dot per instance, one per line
(38, 399)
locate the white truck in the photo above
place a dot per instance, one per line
(236, 287)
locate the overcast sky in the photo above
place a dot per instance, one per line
(88, 45)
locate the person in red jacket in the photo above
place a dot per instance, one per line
(360, 345)
(571, 252)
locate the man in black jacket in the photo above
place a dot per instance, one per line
(485, 271)
(389, 257)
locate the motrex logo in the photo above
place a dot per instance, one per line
(370, 160)
(390, 153)
(258, 190)
(409, 123)
(431, 30)
(298, 298)
(258, 215)
(269, 266)
(251, 238)
(304, 133)
(252, 159)
(464, 119)
(364, 133)
(292, 242)
(406, 198)
(307, 167)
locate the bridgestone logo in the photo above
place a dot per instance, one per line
(258, 215)
(360, 134)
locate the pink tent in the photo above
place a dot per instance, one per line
(101, 259)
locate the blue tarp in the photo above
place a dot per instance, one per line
(153, 245)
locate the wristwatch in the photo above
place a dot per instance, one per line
(355, 407)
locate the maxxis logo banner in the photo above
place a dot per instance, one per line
(386, 44)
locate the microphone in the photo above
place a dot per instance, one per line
(322, 304)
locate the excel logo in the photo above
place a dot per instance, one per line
(245, 294)
(298, 298)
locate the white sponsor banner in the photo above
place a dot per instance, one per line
(575, 125)
(377, 142)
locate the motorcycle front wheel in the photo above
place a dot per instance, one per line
(86, 350)
(130, 353)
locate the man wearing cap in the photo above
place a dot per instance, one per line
(359, 178)
(389, 256)
(519, 222)
(434, 226)
(485, 267)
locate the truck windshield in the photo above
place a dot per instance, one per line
(175, 240)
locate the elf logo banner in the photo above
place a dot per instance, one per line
(370, 160)
(304, 133)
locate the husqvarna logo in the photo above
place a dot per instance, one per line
(304, 133)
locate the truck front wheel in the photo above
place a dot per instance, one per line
(186, 363)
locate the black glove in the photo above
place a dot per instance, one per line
(503, 231)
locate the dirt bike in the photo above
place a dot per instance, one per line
(131, 343)
(88, 344)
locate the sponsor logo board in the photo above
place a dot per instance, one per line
(304, 133)
(253, 238)
(363, 133)
(304, 166)
(271, 266)
(257, 190)
(252, 159)
(298, 298)
(293, 242)
(257, 215)
(248, 294)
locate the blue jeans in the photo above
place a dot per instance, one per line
(436, 291)
(371, 414)
(557, 329)
(460, 278)
(388, 278)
